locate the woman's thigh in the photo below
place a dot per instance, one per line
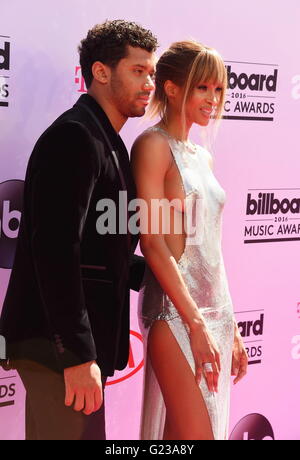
(186, 412)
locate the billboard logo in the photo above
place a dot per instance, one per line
(251, 91)
(11, 199)
(267, 204)
(251, 327)
(135, 361)
(254, 82)
(272, 215)
(253, 427)
(10, 221)
(4, 70)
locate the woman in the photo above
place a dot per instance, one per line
(192, 342)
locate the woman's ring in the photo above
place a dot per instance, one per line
(208, 367)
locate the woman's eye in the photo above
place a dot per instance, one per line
(219, 89)
(139, 71)
(203, 87)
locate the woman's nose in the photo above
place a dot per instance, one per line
(213, 98)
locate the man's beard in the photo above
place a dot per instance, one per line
(124, 104)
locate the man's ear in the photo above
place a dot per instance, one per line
(101, 72)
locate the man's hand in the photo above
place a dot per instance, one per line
(84, 387)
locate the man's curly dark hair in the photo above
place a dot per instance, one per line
(108, 42)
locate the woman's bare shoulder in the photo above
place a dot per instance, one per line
(152, 144)
(151, 157)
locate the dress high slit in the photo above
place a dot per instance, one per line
(202, 268)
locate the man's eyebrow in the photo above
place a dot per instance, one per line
(142, 66)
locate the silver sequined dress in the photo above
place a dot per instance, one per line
(202, 268)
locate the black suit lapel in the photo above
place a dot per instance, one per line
(109, 145)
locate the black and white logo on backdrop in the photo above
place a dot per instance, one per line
(253, 427)
(251, 92)
(251, 327)
(272, 215)
(11, 201)
(7, 391)
(4, 70)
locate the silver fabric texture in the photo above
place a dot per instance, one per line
(202, 268)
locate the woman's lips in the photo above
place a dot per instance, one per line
(206, 112)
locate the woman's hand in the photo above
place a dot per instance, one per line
(205, 351)
(239, 358)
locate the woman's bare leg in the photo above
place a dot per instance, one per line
(186, 413)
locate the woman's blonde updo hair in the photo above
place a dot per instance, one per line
(187, 64)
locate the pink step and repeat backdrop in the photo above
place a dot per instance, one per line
(257, 161)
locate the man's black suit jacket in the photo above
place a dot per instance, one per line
(67, 301)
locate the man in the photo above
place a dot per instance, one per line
(66, 313)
